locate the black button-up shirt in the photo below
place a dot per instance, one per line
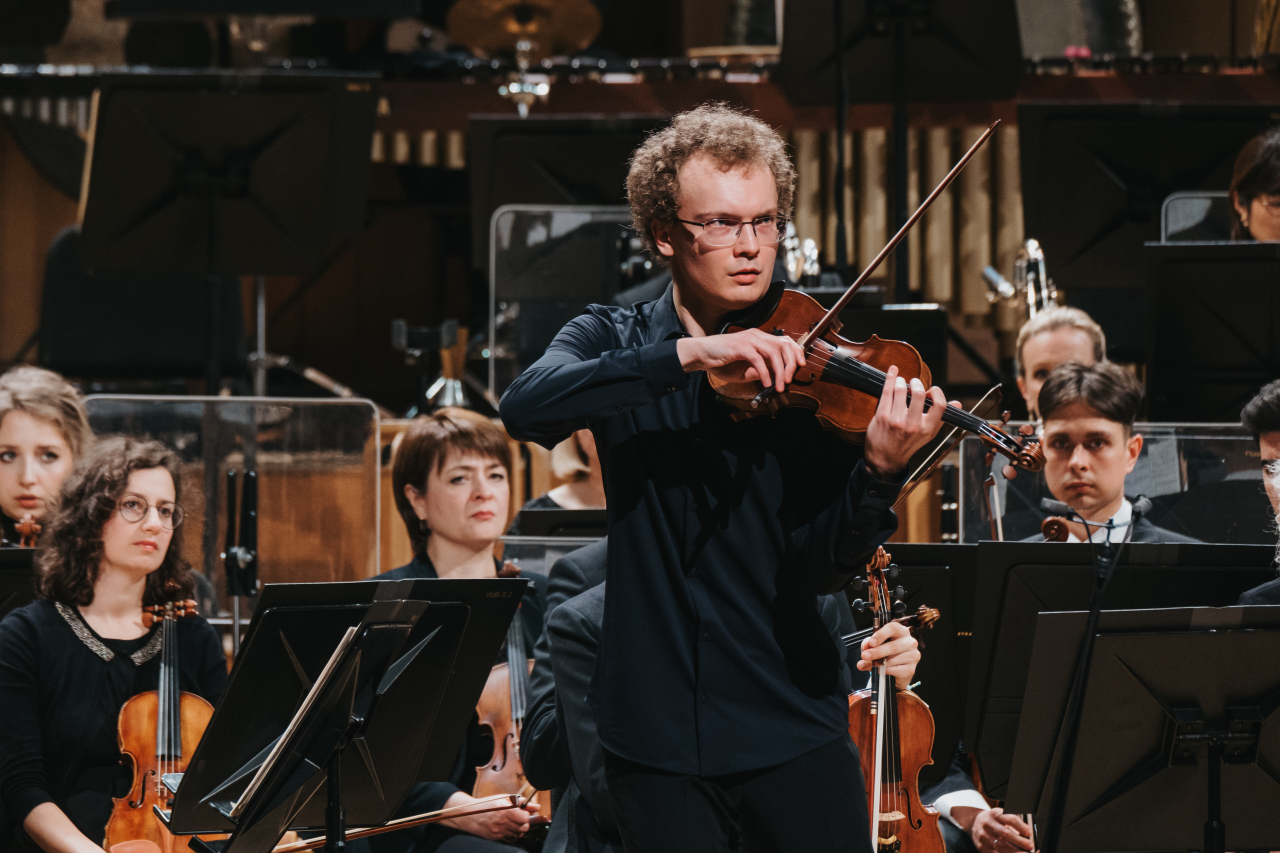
(713, 656)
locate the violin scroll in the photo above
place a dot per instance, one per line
(1054, 529)
(172, 610)
(28, 531)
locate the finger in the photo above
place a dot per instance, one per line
(800, 359)
(762, 372)
(790, 359)
(779, 365)
(939, 405)
(918, 394)
(886, 393)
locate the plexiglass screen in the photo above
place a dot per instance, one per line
(536, 554)
(1204, 480)
(317, 473)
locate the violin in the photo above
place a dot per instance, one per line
(501, 710)
(842, 380)
(894, 733)
(158, 729)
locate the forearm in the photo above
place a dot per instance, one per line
(565, 388)
(53, 831)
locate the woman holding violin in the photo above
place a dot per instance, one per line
(452, 483)
(718, 691)
(70, 660)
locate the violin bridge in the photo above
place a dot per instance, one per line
(893, 815)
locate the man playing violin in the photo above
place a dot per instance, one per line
(719, 694)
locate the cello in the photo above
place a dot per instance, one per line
(157, 730)
(894, 733)
(501, 710)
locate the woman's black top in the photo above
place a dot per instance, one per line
(478, 748)
(8, 530)
(61, 689)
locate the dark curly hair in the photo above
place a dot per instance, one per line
(72, 540)
(730, 137)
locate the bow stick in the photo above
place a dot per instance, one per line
(510, 801)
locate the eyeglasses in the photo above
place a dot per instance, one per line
(1271, 203)
(720, 233)
(133, 508)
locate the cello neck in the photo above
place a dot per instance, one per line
(517, 671)
(168, 716)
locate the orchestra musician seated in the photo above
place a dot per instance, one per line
(1052, 337)
(1090, 446)
(71, 659)
(43, 428)
(1261, 416)
(1255, 190)
(452, 483)
(560, 746)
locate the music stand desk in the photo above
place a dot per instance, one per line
(1164, 685)
(372, 683)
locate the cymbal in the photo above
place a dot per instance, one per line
(552, 27)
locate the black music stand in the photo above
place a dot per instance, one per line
(939, 576)
(897, 53)
(564, 522)
(1016, 581)
(1213, 318)
(343, 696)
(1178, 746)
(17, 578)
(224, 174)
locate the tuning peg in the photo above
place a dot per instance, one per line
(899, 593)
(893, 571)
(1004, 417)
(899, 608)
(858, 584)
(859, 605)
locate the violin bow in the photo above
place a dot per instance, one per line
(821, 328)
(940, 452)
(508, 801)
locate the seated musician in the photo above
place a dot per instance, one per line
(560, 747)
(1054, 336)
(1090, 446)
(1261, 417)
(452, 484)
(71, 659)
(575, 461)
(1255, 189)
(717, 692)
(43, 428)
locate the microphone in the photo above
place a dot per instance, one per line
(1141, 506)
(1056, 507)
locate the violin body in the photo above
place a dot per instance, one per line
(906, 825)
(838, 405)
(132, 818)
(504, 773)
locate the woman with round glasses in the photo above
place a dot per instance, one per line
(71, 659)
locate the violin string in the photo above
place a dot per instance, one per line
(870, 380)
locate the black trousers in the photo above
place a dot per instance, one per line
(815, 803)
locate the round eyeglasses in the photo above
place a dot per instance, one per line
(721, 233)
(135, 509)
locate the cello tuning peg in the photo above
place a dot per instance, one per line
(899, 593)
(858, 584)
(893, 572)
(899, 608)
(859, 605)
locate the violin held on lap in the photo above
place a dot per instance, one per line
(158, 730)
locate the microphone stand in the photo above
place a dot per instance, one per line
(1104, 565)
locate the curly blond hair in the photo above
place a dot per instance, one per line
(729, 136)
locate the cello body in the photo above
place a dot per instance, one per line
(132, 818)
(916, 830)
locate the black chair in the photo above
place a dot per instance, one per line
(147, 326)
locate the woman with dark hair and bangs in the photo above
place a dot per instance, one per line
(71, 659)
(452, 484)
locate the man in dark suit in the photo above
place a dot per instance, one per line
(1089, 447)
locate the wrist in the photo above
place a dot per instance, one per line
(687, 351)
(964, 816)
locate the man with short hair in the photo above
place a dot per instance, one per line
(1089, 447)
(1052, 337)
(1261, 417)
(719, 695)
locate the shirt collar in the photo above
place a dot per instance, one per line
(1120, 521)
(664, 322)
